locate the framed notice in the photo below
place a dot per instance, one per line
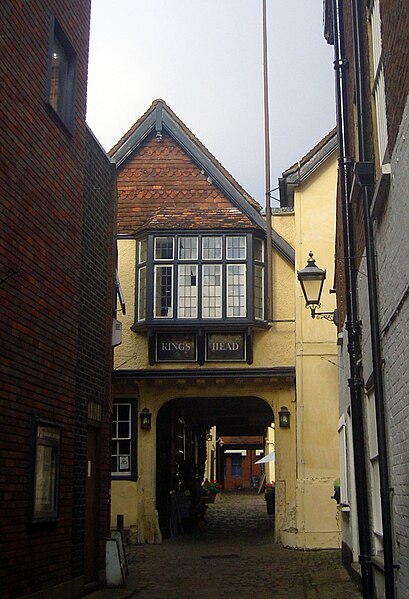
(46, 471)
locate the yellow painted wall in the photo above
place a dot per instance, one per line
(316, 369)
(136, 501)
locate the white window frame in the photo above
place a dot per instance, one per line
(343, 461)
(378, 83)
(156, 239)
(194, 295)
(374, 476)
(116, 439)
(231, 285)
(205, 298)
(155, 306)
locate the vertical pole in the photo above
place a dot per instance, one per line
(269, 245)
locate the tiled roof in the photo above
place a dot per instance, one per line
(168, 179)
(160, 187)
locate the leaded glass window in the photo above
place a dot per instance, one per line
(187, 291)
(188, 248)
(212, 248)
(163, 291)
(236, 248)
(212, 291)
(236, 290)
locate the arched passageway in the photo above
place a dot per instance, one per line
(183, 426)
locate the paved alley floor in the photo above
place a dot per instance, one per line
(233, 558)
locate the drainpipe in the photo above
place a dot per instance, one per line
(269, 243)
(352, 324)
(364, 156)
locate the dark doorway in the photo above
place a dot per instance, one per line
(182, 425)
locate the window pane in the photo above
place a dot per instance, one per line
(236, 290)
(59, 73)
(258, 250)
(187, 291)
(211, 248)
(236, 465)
(46, 472)
(236, 248)
(212, 291)
(142, 294)
(163, 248)
(258, 291)
(163, 291)
(45, 482)
(61, 76)
(123, 411)
(123, 430)
(142, 251)
(188, 248)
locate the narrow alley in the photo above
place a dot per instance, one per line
(233, 558)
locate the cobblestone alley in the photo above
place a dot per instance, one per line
(233, 558)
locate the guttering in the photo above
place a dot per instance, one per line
(363, 135)
(352, 324)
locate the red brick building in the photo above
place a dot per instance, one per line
(240, 455)
(56, 252)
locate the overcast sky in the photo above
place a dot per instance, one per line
(204, 58)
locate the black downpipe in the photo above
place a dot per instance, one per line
(361, 96)
(352, 325)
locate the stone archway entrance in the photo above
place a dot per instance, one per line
(182, 427)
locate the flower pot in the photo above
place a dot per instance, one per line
(270, 502)
(209, 498)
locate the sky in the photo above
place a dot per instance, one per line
(204, 59)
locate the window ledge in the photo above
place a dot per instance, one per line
(381, 191)
(213, 325)
(378, 562)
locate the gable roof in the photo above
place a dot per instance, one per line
(160, 118)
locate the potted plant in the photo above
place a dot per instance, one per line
(210, 490)
(270, 497)
(337, 491)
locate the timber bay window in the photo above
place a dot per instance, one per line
(258, 286)
(200, 277)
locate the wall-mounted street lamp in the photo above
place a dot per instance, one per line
(312, 279)
(146, 419)
(284, 417)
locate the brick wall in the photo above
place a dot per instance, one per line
(94, 339)
(395, 47)
(41, 187)
(392, 246)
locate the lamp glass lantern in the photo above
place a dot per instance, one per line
(284, 417)
(146, 419)
(312, 279)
